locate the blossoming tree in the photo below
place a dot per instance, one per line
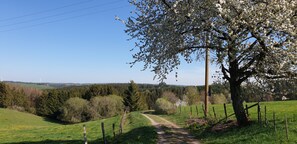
(248, 38)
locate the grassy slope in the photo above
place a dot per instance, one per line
(17, 127)
(252, 134)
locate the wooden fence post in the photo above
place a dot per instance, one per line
(287, 129)
(103, 133)
(265, 115)
(197, 110)
(225, 109)
(214, 112)
(113, 130)
(247, 110)
(203, 111)
(180, 108)
(85, 134)
(274, 122)
(259, 113)
(191, 110)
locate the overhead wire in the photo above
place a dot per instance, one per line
(45, 11)
(60, 14)
(64, 19)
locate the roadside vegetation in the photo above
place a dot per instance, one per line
(254, 133)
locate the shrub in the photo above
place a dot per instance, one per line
(218, 99)
(106, 106)
(74, 110)
(170, 96)
(193, 95)
(163, 106)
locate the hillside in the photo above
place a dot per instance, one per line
(18, 127)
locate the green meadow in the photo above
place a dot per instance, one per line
(18, 127)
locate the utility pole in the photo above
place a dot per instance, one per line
(206, 78)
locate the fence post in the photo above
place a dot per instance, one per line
(197, 110)
(191, 110)
(259, 113)
(247, 110)
(203, 111)
(85, 134)
(214, 112)
(287, 129)
(113, 130)
(274, 122)
(265, 115)
(103, 132)
(180, 109)
(225, 109)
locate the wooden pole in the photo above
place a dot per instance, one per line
(225, 109)
(180, 108)
(191, 110)
(85, 134)
(103, 133)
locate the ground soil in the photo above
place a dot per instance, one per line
(170, 133)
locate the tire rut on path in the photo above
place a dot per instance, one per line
(170, 133)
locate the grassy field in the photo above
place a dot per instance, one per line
(34, 85)
(255, 133)
(18, 127)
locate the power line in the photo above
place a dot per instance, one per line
(60, 14)
(64, 19)
(45, 11)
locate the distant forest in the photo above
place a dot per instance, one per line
(78, 102)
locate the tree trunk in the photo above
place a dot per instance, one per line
(237, 103)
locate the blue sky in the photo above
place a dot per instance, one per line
(74, 41)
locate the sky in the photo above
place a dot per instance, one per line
(75, 41)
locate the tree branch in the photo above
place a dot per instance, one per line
(225, 71)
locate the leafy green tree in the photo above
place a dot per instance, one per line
(75, 110)
(5, 95)
(163, 106)
(193, 95)
(106, 106)
(170, 96)
(132, 96)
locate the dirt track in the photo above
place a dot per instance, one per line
(170, 133)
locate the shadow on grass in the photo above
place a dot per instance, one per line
(233, 134)
(50, 142)
(141, 135)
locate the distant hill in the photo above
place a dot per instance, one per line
(43, 86)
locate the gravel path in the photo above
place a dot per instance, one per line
(170, 133)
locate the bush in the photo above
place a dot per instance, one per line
(218, 99)
(163, 106)
(75, 110)
(170, 96)
(193, 95)
(106, 106)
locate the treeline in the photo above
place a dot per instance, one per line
(87, 102)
